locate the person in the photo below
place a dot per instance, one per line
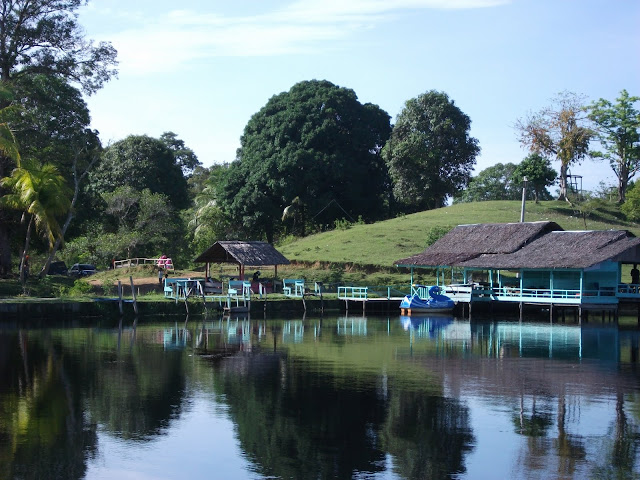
(635, 274)
(160, 275)
(256, 276)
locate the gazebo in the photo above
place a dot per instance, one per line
(243, 254)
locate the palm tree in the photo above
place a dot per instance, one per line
(41, 193)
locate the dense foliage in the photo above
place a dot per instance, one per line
(430, 154)
(492, 183)
(42, 48)
(141, 162)
(317, 143)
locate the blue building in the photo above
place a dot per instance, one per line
(532, 262)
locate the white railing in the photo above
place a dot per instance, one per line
(166, 263)
(350, 293)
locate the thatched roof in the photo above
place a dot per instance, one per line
(560, 249)
(466, 242)
(254, 254)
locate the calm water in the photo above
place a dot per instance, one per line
(347, 397)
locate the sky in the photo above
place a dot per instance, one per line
(202, 68)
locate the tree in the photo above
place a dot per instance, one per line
(185, 157)
(208, 222)
(8, 150)
(617, 129)
(140, 162)
(493, 183)
(41, 193)
(539, 175)
(316, 142)
(558, 130)
(430, 154)
(42, 37)
(139, 223)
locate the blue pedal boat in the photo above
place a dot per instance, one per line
(437, 303)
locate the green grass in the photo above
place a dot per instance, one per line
(380, 244)
(361, 254)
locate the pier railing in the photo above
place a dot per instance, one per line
(352, 293)
(166, 263)
(363, 293)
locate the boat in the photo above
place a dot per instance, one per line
(437, 303)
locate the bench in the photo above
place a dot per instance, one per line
(293, 287)
(212, 288)
(239, 287)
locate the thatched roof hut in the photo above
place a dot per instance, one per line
(531, 245)
(560, 249)
(466, 242)
(254, 254)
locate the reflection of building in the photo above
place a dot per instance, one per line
(354, 326)
(292, 331)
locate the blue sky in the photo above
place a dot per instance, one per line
(202, 68)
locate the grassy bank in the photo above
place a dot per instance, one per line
(358, 254)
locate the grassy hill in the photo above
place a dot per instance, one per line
(382, 243)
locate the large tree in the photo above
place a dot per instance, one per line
(316, 142)
(617, 128)
(430, 154)
(492, 183)
(140, 162)
(43, 37)
(559, 130)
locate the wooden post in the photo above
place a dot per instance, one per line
(120, 296)
(133, 295)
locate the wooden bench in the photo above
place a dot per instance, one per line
(293, 287)
(212, 288)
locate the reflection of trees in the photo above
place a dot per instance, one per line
(428, 435)
(293, 420)
(570, 448)
(534, 426)
(621, 447)
(44, 433)
(136, 395)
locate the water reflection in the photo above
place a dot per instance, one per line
(341, 397)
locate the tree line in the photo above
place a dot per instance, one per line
(311, 158)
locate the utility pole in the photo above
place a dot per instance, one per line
(524, 198)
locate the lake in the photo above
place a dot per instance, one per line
(335, 397)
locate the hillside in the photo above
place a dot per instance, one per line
(381, 243)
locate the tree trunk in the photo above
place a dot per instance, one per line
(623, 181)
(24, 267)
(563, 182)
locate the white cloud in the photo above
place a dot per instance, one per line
(167, 42)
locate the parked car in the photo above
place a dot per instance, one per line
(58, 268)
(82, 270)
